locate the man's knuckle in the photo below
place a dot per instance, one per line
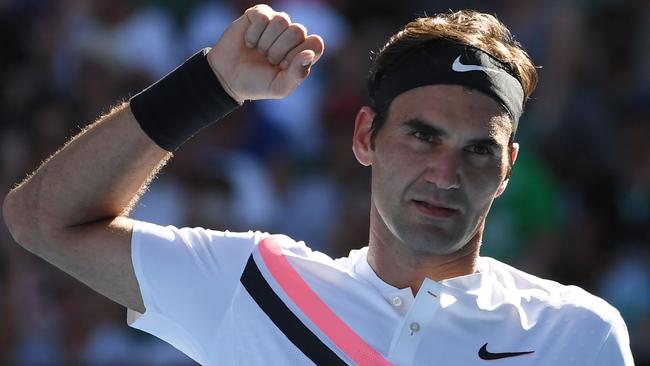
(280, 21)
(316, 43)
(261, 8)
(302, 27)
(296, 32)
(263, 18)
(256, 16)
(285, 16)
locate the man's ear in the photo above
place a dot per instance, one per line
(362, 134)
(514, 151)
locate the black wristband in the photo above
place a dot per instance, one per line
(176, 107)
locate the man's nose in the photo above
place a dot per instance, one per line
(444, 169)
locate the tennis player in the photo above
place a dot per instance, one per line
(447, 93)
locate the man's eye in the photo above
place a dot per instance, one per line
(422, 136)
(480, 150)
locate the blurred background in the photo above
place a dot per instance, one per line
(577, 209)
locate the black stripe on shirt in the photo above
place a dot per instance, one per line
(288, 323)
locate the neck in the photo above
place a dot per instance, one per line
(400, 266)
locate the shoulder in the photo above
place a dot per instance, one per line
(304, 257)
(193, 234)
(296, 251)
(559, 314)
(560, 300)
(192, 246)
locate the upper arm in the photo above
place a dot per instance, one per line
(97, 254)
(69, 211)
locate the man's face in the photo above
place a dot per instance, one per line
(438, 162)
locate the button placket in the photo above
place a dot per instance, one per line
(397, 301)
(415, 327)
(400, 300)
(421, 312)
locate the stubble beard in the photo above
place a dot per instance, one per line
(422, 238)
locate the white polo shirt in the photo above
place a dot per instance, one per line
(196, 285)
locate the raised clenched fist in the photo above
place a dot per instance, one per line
(263, 55)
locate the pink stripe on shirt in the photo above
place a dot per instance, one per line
(347, 340)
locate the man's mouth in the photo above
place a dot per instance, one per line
(434, 210)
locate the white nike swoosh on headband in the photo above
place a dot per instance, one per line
(460, 67)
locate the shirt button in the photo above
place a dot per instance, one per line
(415, 327)
(397, 301)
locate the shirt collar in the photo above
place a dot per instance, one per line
(470, 283)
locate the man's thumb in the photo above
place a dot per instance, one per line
(302, 63)
(287, 80)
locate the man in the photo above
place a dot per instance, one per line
(447, 93)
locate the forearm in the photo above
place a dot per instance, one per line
(96, 176)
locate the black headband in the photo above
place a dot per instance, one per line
(444, 62)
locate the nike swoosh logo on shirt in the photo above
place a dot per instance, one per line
(461, 67)
(484, 354)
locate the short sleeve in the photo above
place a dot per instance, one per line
(616, 347)
(187, 279)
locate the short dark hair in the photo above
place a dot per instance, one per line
(467, 27)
